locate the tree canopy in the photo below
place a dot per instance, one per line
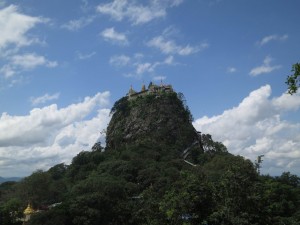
(293, 81)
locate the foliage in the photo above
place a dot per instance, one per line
(190, 199)
(120, 106)
(211, 146)
(293, 81)
(143, 184)
(186, 107)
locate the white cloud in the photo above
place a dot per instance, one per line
(136, 13)
(115, 9)
(147, 67)
(49, 135)
(265, 67)
(119, 60)
(256, 127)
(287, 102)
(231, 70)
(15, 25)
(84, 5)
(43, 99)
(110, 34)
(77, 24)
(273, 37)
(7, 71)
(29, 61)
(176, 2)
(170, 47)
(82, 56)
(140, 67)
(144, 67)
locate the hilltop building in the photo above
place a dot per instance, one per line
(152, 89)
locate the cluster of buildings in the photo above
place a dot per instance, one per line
(152, 89)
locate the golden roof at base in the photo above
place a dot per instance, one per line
(28, 210)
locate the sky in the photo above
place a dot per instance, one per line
(63, 64)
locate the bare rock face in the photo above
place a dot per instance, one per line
(159, 119)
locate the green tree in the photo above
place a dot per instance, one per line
(235, 181)
(35, 188)
(189, 201)
(99, 199)
(10, 212)
(293, 81)
(211, 146)
(281, 198)
(56, 216)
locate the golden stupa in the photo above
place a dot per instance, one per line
(29, 210)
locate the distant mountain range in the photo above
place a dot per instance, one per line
(5, 179)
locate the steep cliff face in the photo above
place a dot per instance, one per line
(159, 119)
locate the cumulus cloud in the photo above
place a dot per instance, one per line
(50, 135)
(266, 67)
(256, 127)
(136, 13)
(273, 37)
(170, 47)
(43, 99)
(287, 102)
(111, 35)
(15, 25)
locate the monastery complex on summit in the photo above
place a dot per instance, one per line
(152, 89)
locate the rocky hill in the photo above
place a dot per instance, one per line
(157, 118)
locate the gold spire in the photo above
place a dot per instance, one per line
(131, 91)
(29, 210)
(143, 87)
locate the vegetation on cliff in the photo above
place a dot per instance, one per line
(161, 119)
(155, 169)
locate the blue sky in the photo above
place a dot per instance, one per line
(64, 63)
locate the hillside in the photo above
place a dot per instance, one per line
(155, 169)
(5, 179)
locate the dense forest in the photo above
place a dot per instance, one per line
(155, 169)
